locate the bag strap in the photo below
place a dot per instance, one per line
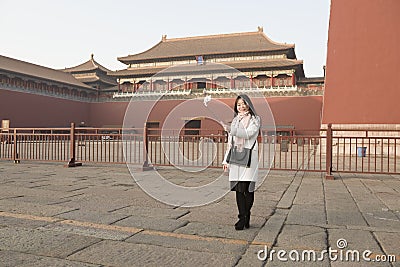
(253, 144)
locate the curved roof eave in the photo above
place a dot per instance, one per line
(248, 42)
(89, 65)
(39, 72)
(126, 58)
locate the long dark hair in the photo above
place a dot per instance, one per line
(248, 102)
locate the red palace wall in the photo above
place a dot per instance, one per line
(109, 114)
(362, 84)
(304, 113)
(29, 110)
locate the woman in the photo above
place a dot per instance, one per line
(244, 130)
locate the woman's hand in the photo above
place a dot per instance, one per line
(225, 167)
(227, 128)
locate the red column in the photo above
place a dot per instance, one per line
(293, 79)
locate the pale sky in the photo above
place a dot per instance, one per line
(64, 33)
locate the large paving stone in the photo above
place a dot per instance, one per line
(263, 208)
(280, 182)
(307, 214)
(189, 242)
(287, 199)
(302, 237)
(214, 213)
(168, 213)
(68, 188)
(21, 191)
(390, 243)
(13, 258)
(218, 230)
(225, 212)
(227, 219)
(393, 183)
(43, 242)
(373, 208)
(93, 230)
(113, 253)
(383, 219)
(250, 257)
(390, 199)
(387, 194)
(43, 200)
(270, 231)
(15, 206)
(341, 208)
(103, 200)
(12, 222)
(345, 217)
(92, 216)
(160, 224)
(98, 203)
(355, 240)
(310, 191)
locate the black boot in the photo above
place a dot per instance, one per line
(241, 204)
(247, 221)
(249, 198)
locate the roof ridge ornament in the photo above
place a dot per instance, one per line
(260, 29)
(164, 38)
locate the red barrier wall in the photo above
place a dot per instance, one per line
(29, 110)
(363, 64)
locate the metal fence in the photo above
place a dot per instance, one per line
(35, 144)
(366, 152)
(326, 151)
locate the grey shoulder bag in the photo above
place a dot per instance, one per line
(240, 158)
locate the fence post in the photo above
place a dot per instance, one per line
(72, 147)
(146, 166)
(15, 145)
(329, 175)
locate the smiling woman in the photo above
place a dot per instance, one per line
(243, 135)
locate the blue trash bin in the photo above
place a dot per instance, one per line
(361, 151)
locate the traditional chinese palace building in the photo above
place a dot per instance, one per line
(259, 64)
(178, 68)
(92, 74)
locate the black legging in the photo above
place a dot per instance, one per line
(244, 201)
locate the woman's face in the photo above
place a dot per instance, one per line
(241, 106)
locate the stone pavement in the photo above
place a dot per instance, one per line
(95, 215)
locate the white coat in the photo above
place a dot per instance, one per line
(250, 133)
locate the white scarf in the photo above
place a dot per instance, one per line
(244, 119)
